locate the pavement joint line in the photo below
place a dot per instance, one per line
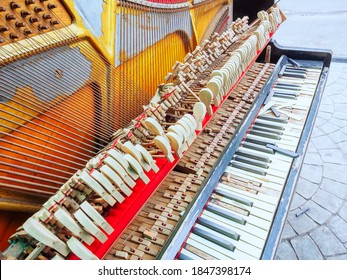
(339, 59)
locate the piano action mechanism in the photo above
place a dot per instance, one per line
(150, 129)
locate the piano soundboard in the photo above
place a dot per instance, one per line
(207, 170)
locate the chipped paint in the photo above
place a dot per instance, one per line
(54, 69)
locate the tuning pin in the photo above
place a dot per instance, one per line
(38, 9)
(29, 2)
(43, 1)
(10, 17)
(24, 14)
(1, 41)
(14, 36)
(42, 27)
(51, 6)
(27, 32)
(14, 5)
(20, 24)
(47, 16)
(3, 28)
(34, 19)
(54, 22)
(2, 9)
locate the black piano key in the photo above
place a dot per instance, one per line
(287, 84)
(286, 96)
(248, 167)
(219, 228)
(295, 71)
(254, 155)
(226, 214)
(214, 238)
(293, 62)
(251, 161)
(265, 134)
(264, 142)
(284, 92)
(272, 119)
(294, 75)
(257, 147)
(275, 111)
(266, 129)
(234, 197)
(288, 89)
(283, 151)
(293, 68)
(285, 88)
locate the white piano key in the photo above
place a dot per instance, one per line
(269, 185)
(215, 250)
(203, 245)
(266, 178)
(245, 236)
(218, 227)
(187, 255)
(276, 165)
(215, 237)
(267, 202)
(281, 143)
(256, 209)
(240, 199)
(259, 170)
(256, 221)
(221, 211)
(249, 228)
(282, 160)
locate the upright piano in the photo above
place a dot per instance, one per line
(159, 129)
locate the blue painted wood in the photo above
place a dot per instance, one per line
(91, 14)
(62, 71)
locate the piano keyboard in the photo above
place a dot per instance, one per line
(236, 220)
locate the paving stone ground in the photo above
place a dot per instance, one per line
(321, 233)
